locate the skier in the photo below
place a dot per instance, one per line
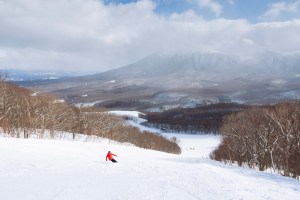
(110, 157)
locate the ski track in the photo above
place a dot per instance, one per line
(71, 170)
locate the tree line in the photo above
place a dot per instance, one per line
(23, 113)
(263, 137)
(203, 119)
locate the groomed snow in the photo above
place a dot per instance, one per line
(32, 169)
(128, 113)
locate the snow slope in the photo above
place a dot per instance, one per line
(59, 170)
(35, 169)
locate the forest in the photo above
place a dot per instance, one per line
(24, 113)
(263, 137)
(200, 120)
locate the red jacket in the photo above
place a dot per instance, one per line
(110, 156)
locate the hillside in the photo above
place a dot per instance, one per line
(51, 169)
(184, 79)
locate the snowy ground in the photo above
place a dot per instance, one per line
(71, 170)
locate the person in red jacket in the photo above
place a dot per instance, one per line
(110, 156)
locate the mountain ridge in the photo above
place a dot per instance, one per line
(200, 77)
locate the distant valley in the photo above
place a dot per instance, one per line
(16, 75)
(165, 80)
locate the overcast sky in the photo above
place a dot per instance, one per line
(98, 35)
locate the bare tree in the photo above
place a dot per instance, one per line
(263, 137)
(23, 112)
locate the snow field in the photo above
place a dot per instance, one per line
(63, 169)
(59, 170)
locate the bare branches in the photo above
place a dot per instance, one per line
(23, 113)
(263, 137)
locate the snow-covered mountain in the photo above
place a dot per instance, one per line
(178, 69)
(210, 66)
(162, 64)
(273, 63)
(192, 78)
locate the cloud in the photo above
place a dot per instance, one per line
(89, 35)
(280, 9)
(231, 2)
(248, 41)
(277, 36)
(2, 53)
(214, 6)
